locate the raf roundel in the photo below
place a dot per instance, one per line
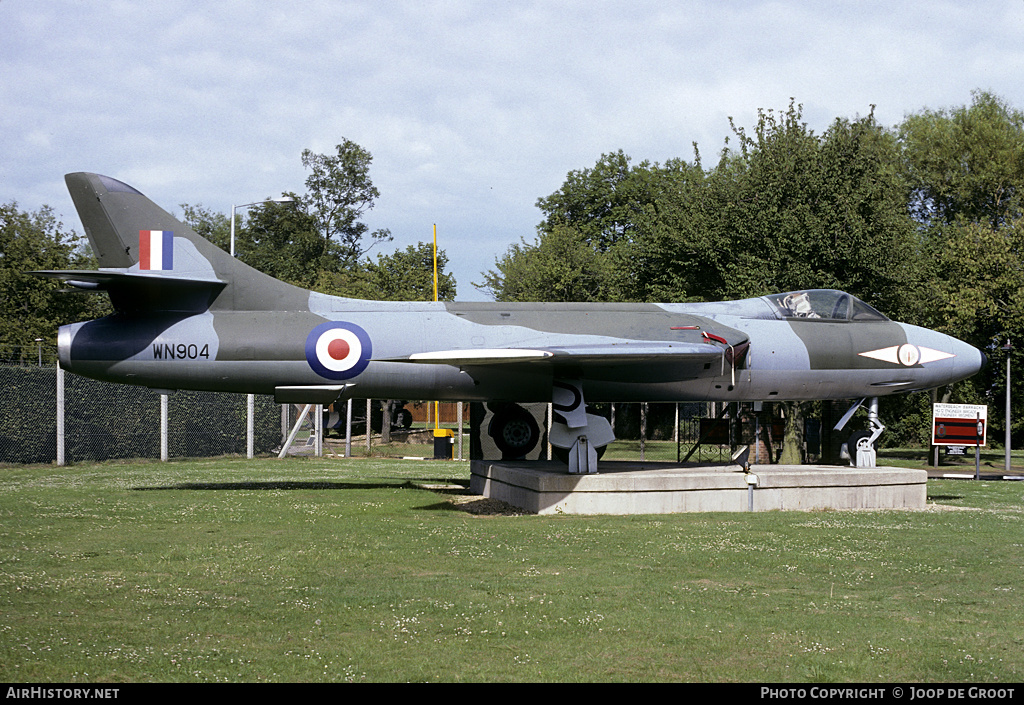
(338, 350)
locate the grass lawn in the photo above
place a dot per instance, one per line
(234, 570)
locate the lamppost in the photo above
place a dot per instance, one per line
(282, 199)
(250, 399)
(1007, 348)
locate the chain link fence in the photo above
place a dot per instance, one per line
(105, 421)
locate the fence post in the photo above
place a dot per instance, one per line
(163, 427)
(368, 431)
(60, 415)
(348, 429)
(250, 434)
(460, 430)
(318, 431)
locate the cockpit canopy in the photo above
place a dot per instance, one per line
(822, 304)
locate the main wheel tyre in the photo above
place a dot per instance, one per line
(403, 418)
(515, 431)
(853, 442)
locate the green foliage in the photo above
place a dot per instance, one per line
(340, 192)
(907, 419)
(799, 210)
(608, 235)
(32, 307)
(215, 227)
(317, 241)
(965, 167)
(679, 256)
(923, 221)
(980, 281)
(284, 242)
(560, 266)
(406, 275)
(606, 204)
(965, 163)
(789, 210)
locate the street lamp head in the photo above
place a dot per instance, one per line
(282, 199)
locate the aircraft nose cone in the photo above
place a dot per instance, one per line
(943, 358)
(969, 361)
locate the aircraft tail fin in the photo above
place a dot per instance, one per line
(150, 260)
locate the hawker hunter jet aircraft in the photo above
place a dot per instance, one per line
(190, 316)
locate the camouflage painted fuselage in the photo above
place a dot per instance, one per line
(203, 320)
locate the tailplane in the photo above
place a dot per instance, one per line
(151, 261)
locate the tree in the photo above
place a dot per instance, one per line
(609, 233)
(965, 167)
(405, 275)
(215, 227)
(797, 210)
(315, 241)
(318, 241)
(340, 192)
(561, 265)
(277, 239)
(786, 209)
(32, 307)
(801, 210)
(284, 242)
(965, 162)
(605, 203)
(676, 255)
(408, 275)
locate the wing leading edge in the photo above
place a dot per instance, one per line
(610, 354)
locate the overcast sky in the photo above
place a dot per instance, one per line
(472, 110)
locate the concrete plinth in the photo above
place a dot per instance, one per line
(544, 487)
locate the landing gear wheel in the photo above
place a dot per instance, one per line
(514, 431)
(403, 419)
(853, 442)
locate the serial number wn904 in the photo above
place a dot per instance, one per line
(181, 351)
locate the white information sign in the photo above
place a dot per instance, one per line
(959, 424)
